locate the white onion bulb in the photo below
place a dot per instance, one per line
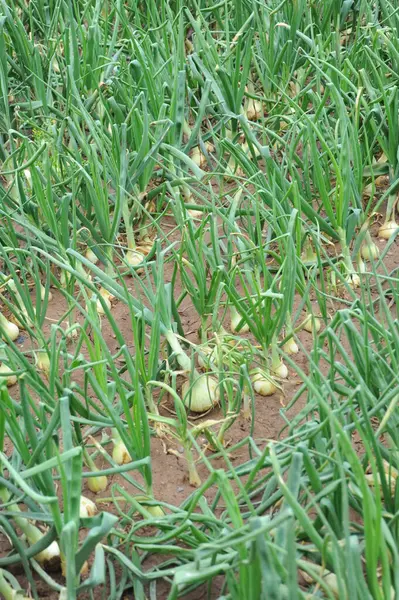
(387, 229)
(370, 251)
(100, 308)
(9, 328)
(97, 484)
(48, 554)
(5, 374)
(262, 384)
(281, 370)
(254, 109)
(43, 293)
(43, 361)
(353, 280)
(87, 508)
(134, 258)
(120, 454)
(235, 319)
(204, 394)
(291, 347)
(312, 324)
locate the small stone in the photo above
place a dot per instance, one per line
(180, 489)
(180, 449)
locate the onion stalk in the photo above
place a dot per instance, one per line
(7, 591)
(206, 357)
(91, 256)
(246, 404)
(65, 275)
(32, 533)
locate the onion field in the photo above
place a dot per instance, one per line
(199, 295)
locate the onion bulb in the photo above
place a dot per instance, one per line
(281, 370)
(253, 109)
(5, 374)
(43, 361)
(232, 170)
(202, 395)
(34, 535)
(43, 293)
(100, 308)
(145, 246)
(235, 319)
(134, 258)
(83, 571)
(198, 157)
(106, 294)
(97, 484)
(330, 579)
(312, 324)
(188, 46)
(353, 280)
(387, 229)
(361, 266)
(370, 251)
(263, 384)
(72, 332)
(155, 510)
(120, 454)
(8, 329)
(49, 554)
(291, 347)
(87, 508)
(308, 255)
